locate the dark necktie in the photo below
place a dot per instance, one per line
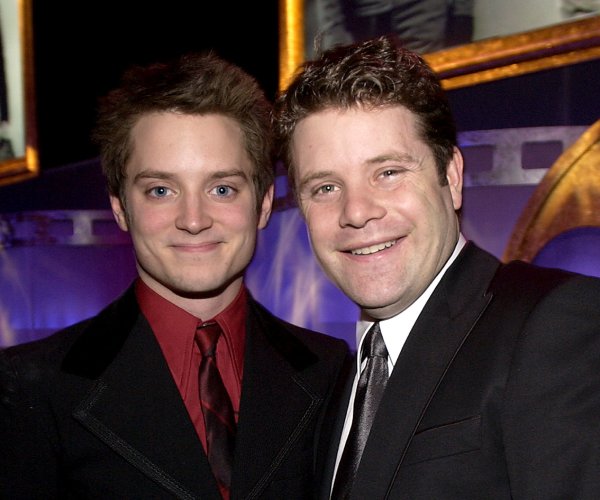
(369, 390)
(216, 406)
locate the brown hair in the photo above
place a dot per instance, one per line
(194, 84)
(373, 73)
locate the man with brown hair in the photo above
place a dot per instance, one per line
(476, 379)
(185, 386)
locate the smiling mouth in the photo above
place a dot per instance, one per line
(373, 248)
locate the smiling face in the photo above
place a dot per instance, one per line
(379, 222)
(190, 208)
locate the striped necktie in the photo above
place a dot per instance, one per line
(216, 406)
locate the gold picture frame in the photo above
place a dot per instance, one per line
(18, 64)
(473, 63)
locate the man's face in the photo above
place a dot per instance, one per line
(190, 205)
(379, 222)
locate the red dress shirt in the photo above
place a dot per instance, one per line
(175, 328)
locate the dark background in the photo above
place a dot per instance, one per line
(564, 96)
(82, 47)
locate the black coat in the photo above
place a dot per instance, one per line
(93, 412)
(496, 392)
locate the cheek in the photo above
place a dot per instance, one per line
(239, 219)
(315, 220)
(149, 222)
(428, 202)
(322, 238)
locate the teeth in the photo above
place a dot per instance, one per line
(373, 248)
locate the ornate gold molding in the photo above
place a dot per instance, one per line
(513, 55)
(567, 197)
(473, 63)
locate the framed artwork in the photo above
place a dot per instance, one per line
(501, 39)
(18, 132)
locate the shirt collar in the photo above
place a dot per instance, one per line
(175, 328)
(395, 330)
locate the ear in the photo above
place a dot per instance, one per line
(118, 212)
(267, 206)
(454, 175)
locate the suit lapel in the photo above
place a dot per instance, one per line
(136, 409)
(434, 341)
(277, 404)
(336, 416)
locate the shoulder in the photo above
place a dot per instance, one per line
(316, 341)
(517, 280)
(551, 301)
(304, 350)
(39, 357)
(31, 369)
(524, 280)
(317, 359)
(48, 350)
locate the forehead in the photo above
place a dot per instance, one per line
(175, 140)
(352, 134)
(170, 125)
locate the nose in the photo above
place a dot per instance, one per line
(359, 206)
(193, 215)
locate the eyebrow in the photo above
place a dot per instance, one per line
(393, 157)
(222, 174)
(371, 161)
(160, 174)
(150, 174)
(314, 177)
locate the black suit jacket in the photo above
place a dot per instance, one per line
(496, 392)
(93, 412)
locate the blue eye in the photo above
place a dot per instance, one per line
(224, 191)
(159, 191)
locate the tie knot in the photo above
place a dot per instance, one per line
(374, 345)
(207, 336)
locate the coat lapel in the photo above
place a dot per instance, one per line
(336, 416)
(135, 407)
(434, 341)
(277, 403)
